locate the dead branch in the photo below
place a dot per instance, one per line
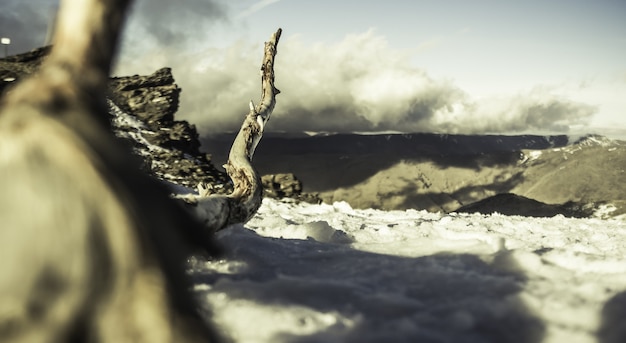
(218, 212)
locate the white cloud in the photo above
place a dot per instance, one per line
(357, 84)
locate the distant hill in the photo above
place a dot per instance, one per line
(408, 145)
(512, 204)
(444, 172)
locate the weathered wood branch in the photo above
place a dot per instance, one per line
(218, 212)
(102, 249)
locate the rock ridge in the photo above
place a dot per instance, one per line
(143, 112)
(143, 109)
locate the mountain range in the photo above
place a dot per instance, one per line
(441, 172)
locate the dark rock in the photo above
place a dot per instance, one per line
(170, 148)
(281, 185)
(142, 111)
(180, 136)
(286, 185)
(152, 98)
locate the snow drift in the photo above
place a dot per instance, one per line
(329, 273)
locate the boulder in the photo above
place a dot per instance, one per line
(286, 185)
(281, 185)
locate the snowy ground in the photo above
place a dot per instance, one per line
(329, 273)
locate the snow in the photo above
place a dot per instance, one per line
(606, 211)
(589, 141)
(329, 273)
(531, 156)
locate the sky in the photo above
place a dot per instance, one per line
(473, 67)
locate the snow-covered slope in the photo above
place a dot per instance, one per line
(591, 170)
(329, 273)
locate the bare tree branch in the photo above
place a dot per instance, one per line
(218, 212)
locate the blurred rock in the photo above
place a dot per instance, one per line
(13, 68)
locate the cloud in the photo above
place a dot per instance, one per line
(174, 23)
(530, 112)
(356, 84)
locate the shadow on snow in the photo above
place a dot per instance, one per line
(437, 298)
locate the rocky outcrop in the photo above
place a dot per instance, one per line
(143, 109)
(281, 185)
(286, 185)
(152, 98)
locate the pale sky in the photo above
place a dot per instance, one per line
(435, 66)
